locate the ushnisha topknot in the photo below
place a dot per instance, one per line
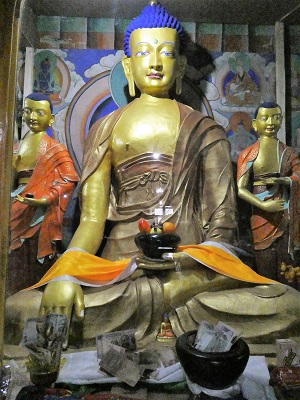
(154, 15)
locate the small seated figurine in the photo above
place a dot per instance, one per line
(166, 334)
(269, 179)
(45, 179)
(156, 154)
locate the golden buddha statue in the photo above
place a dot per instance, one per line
(269, 179)
(156, 154)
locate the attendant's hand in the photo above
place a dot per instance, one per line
(60, 297)
(273, 205)
(30, 201)
(280, 181)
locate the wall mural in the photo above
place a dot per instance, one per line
(295, 81)
(241, 82)
(295, 101)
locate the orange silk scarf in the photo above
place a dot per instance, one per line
(91, 270)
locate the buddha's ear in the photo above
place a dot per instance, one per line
(180, 73)
(254, 125)
(126, 63)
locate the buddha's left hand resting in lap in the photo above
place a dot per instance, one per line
(156, 153)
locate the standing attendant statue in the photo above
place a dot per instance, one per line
(155, 154)
(44, 179)
(269, 179)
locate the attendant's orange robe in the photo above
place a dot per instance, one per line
(53, 178)
(267, 227)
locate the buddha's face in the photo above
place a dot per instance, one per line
(37, 115)
(268, 121)
(154, 60)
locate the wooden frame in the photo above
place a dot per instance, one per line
(9, 34)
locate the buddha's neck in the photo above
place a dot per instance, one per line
(147, 98)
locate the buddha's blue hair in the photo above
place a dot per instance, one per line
(36, 96)
(153, 16)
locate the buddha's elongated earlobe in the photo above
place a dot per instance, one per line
(179, 84)
(127, 70)
(131, 87)
(180, 73)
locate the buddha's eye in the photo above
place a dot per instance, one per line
(141, 53)
(26, 111)
(169, 54)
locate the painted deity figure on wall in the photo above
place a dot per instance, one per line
(241, 89)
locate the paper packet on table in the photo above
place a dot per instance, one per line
(118, 356)
(287, 352)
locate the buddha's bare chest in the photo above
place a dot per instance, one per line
(140, 132)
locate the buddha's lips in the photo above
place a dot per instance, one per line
(155, 75)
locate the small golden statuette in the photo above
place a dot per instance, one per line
(166, 335)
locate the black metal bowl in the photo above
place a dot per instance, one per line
(154, 245)
(214, 371)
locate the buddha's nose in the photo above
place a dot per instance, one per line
(156, 67)
(156, 63)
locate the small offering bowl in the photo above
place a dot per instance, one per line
(213, 371)
(154, 245)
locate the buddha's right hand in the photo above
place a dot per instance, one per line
(60, 297)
